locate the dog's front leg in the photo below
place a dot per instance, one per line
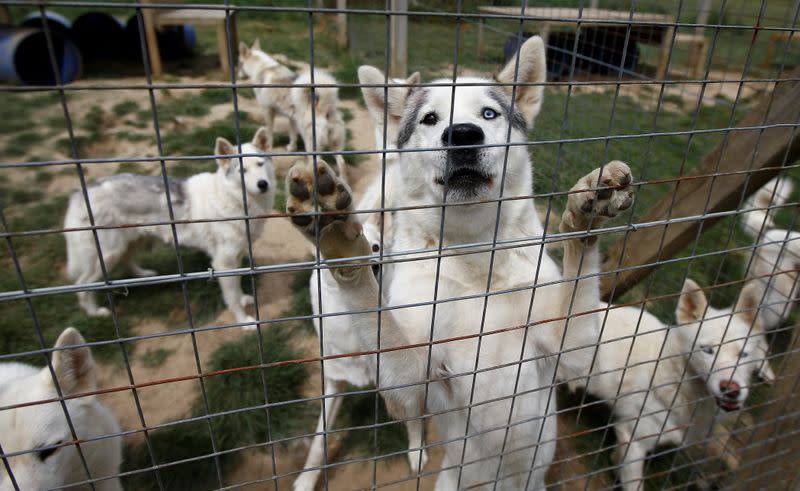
(307, 481)
(341, 242)
(231, 287)
(580, 291)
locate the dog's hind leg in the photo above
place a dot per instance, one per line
(139, 271)
(307, 481)
(87, 299)
(629, 457)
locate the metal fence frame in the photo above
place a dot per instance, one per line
(440, 251)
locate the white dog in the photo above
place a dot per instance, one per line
(39, 434)
(296, 103)
(509, 412)
(665, 390)
(775, 261)
(127, 199)
(338, 336)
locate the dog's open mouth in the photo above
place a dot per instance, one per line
(465, 177)
(728, 404)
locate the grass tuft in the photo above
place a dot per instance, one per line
(234, 391)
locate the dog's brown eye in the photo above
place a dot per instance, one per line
(430, 119)
(744, 354)
(707, 350)
(261, 163)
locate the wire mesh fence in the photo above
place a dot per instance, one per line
(350, 245)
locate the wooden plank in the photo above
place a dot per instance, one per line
(573, 15)
(153, 53)
(775, 146)
(341, 24)
(190, 16)
(399, 56)
(774, 438)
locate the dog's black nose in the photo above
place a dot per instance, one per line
(263, 185)
(463, 134)
(729, 389)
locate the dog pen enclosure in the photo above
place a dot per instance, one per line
(699, 97)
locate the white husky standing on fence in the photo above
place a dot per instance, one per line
(508, 434)
(128, 199)
(295, 101)
(775, 261)
(663, 383)
(42, 429)
(339, 335)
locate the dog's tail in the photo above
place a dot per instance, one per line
(775, 193)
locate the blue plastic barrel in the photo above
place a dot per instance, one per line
(57, 22)
(173, 42)
(99, 36)
(24, 58)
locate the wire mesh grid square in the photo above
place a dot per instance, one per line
(392, 310)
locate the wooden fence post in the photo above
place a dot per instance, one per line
(764, 148)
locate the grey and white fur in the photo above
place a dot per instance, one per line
(125, 199)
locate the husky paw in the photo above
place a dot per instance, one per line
(414, 461)
(340, 234)
(251, 323)
(247, 300)
(592, 208)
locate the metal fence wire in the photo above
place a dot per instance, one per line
(408, 245)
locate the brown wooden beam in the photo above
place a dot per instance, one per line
(741, 150)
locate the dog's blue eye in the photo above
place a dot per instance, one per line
(430, 119)
(707, 350)
(489, 113)
(744, 355)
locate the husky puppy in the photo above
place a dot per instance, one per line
(128, 198)
(773, 267)
(508, 395)
(42, 431)
(296, 103)
(665, 391)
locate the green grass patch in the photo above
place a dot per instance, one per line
(154, 358)
(94, 122)
(17, 110)
(40, 257)
(235, 391)
(81, 142)
(21, 143)
(124, 108)
(131, 168)
(43, 176)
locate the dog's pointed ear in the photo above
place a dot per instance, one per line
(261, 139)
(692, 303)
(74, 367)
(223, 147)
(244, 51)
(256, 45)
(379, 99)
(532, 69)
(747, 305)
